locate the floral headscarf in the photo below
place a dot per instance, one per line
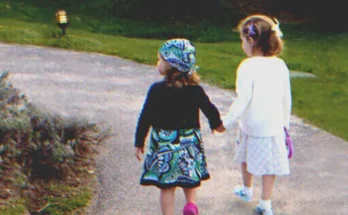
(180, 53)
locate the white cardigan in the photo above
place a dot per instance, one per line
(263, 103)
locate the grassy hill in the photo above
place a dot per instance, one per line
(322, 101)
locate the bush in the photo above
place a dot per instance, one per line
(320, 16)
(36, 146)
(315, 15)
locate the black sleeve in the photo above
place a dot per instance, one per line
(209, 109)
(144, 121)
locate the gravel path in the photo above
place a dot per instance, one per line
(110, 91)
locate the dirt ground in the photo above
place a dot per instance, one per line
(110, 91)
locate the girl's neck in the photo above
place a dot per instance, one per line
(257, 53)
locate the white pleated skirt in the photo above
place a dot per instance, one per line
(263, 155)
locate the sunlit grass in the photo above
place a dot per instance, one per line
(76, 199)
(13, 207)
(322, 101)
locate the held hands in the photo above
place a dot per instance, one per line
(219, 129)
(138, 151)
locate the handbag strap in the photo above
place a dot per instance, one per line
(286, 132)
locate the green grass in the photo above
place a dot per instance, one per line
(76, 199)
(322, 101)
(13, 207)
(59, 199)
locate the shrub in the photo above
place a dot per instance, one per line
(36, 146)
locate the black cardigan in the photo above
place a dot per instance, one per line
(173, 108)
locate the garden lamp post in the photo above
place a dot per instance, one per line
(62, 20)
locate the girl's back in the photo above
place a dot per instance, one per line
(268, 78)
(175, 155)
(263, 106)
(176, 108)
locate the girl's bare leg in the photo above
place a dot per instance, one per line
(167, 201)
(190, 194)
(247, 177)
(267, 186)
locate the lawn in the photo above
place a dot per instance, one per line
(322, 101)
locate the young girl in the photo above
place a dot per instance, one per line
(175, 156)
(263, 107)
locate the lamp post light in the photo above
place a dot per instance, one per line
(62, 20)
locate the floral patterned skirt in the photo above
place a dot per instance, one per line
(175, 158)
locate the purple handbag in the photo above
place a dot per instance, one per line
(289, 144)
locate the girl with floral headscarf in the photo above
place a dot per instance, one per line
(175, 156)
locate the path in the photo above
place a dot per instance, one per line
(110, 90)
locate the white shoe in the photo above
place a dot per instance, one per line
(263, 211)
(238, 191)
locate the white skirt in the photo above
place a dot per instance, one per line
(263, 155)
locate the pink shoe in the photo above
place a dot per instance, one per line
(190, 209)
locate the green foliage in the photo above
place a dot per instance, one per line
(153, 10)
(319, 16)
(322, 101)
(13, 207)
(21, 29)
(38, 146)
(60, 205)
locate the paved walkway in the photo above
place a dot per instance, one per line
(110, 91)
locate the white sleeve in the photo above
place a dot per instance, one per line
(287, 99)
(244, 89)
